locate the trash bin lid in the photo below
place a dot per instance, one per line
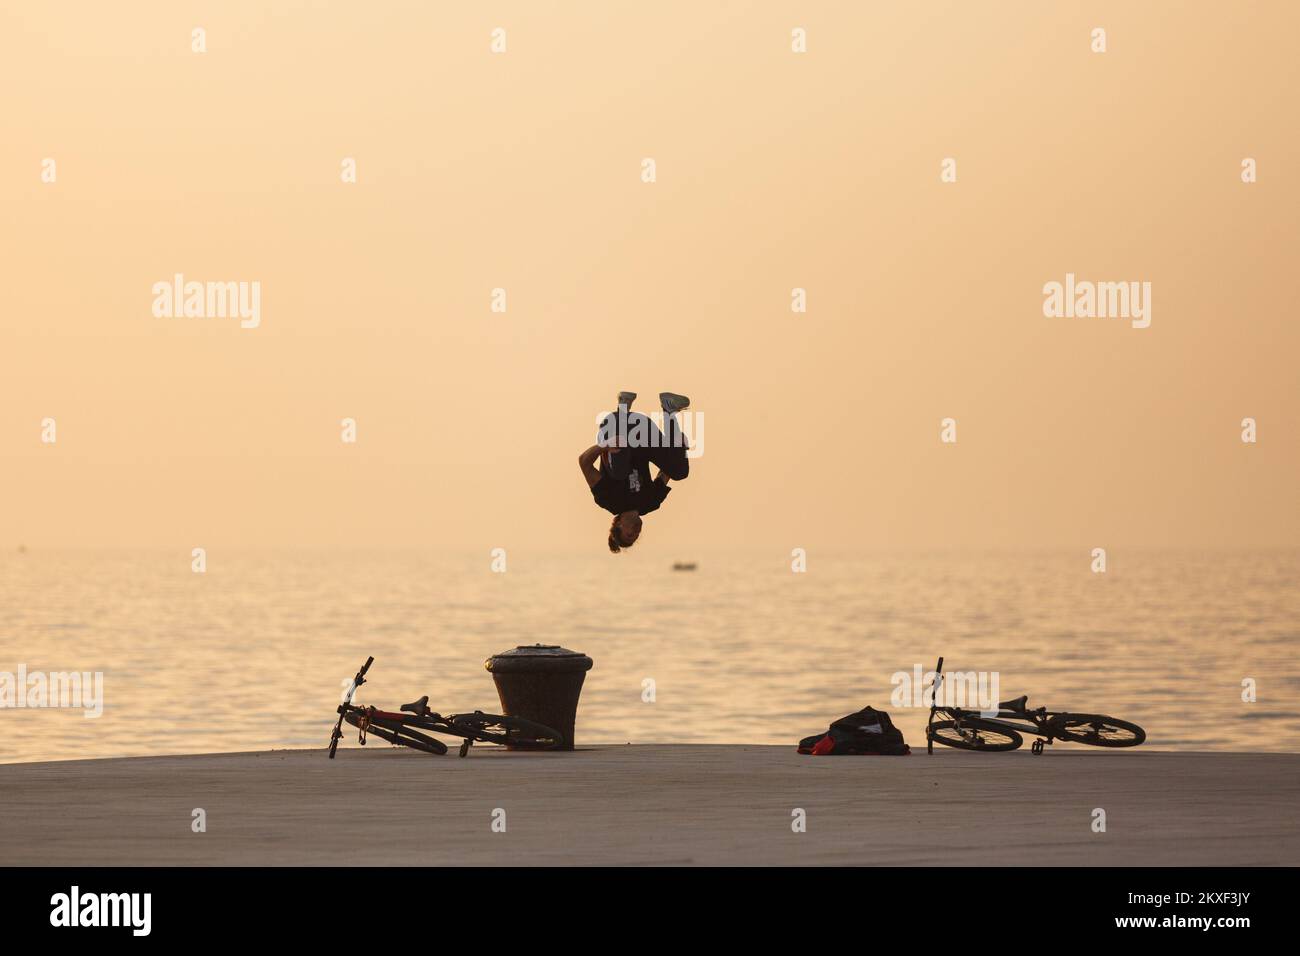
(537, 658)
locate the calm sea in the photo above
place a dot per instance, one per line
(252, 654)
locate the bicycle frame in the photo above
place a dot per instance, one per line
(1041, 721)
(433, 722)
(391, 720)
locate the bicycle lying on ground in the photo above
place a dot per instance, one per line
(411, 728)
(970, 730)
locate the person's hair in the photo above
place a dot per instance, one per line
(616, 537)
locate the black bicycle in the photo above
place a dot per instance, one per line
(411, 727)
(970, 730)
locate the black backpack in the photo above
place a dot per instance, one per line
(869, 731)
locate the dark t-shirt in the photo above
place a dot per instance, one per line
(637, 492)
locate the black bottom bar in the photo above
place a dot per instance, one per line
(370, 905)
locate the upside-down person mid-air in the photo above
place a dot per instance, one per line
(627, 444)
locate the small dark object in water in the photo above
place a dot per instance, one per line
(683, 565)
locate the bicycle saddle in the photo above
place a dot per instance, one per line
(1018, 704)
(418, 707)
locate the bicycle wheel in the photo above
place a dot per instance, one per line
(396, 733)
(1097, 730)
(514, 731)
(972, 735)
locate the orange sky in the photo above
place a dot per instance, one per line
(775, 170)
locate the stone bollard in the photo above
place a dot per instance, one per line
(541, 682)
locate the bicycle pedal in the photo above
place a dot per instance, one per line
(1037, 747)
(464, 747)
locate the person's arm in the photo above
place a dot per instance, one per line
(587, 462)
(662, 478)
